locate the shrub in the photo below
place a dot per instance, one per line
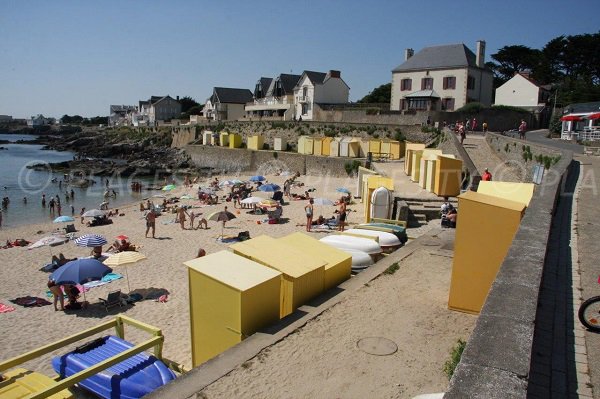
(471, 108)
(392, 269)
(330, 133)
(372, 111)
(399, 136)
(455, 356)
(352, 167)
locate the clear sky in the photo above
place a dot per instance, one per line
(77, 57)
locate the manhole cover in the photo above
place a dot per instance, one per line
(378, 346)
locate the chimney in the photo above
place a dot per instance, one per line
(334, 74)
(177, 98)
(480, 54)
(408, 53)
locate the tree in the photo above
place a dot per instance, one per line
(381, 94)
(513, 59)
(187, 102)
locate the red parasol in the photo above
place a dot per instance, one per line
(122, 237)
(570, 118)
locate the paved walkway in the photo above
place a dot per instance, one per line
(588, 223)
(484, 157)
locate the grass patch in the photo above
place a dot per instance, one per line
(392, 269)
(455, 355)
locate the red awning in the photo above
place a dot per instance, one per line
(570, 118)
(593, 116)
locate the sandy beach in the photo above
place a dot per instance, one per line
(27, 328)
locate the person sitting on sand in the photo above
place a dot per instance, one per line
(97, 252)
(60, 259)
(73, 296)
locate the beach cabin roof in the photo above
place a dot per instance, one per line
(492, 201)
(278, 255)
(316, 248)
(518, 192)
(232, 270)
(350, 140)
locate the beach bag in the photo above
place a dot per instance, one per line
(243, 235)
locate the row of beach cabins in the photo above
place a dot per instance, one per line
(350, 147)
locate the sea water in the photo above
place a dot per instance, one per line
(24, 187)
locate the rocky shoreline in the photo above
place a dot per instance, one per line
(109, 152)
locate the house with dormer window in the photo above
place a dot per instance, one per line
(441, 78)
(319, 88)
(273, 98)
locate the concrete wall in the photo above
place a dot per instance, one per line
(496, 361)
(510, 150)
(264, 162)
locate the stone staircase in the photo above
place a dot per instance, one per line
(422, 210)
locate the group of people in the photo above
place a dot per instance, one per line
(341, 212)
(72, 293)
(448, 213)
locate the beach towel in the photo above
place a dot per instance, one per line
(5, 308)
(93, 284)
(111, 276)
(30, 301)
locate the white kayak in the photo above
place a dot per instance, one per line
(360, 260)
(386, 240)
(356, 243)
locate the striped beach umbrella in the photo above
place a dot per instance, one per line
(90, 241)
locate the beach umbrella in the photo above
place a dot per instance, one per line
(221, 216)
(323, 201)
(48, 241)
(124, 258)
(257, 178)
(122, 237)
(269, 202)
(90, 241)
(80, 271)
(93, 213)
(207, 190)
(169, 187)
(342, 190)
(269, 187)
(252, 200)
(63, 219)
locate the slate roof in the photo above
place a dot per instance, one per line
(265, 83)
(316, 77)
(439, 57)
(122, 108)
(227, 95)
(582, 108)
(288, 82)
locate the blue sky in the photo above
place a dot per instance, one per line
(78, 57)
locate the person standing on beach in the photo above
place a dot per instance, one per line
(43, 200)
(57, 293)
(72, 194)
(150, 223)
(181, 213)
(0, 217)
(343, 214)
(309, 209)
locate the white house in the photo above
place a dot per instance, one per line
(226, 104)
(273, 98)
(319, 88)
(157, 108)
(37, 120)
(441, 78)
(522, 91)
(121, 114)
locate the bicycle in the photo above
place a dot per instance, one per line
(589, 313)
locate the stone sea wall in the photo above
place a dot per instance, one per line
(237, 160)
